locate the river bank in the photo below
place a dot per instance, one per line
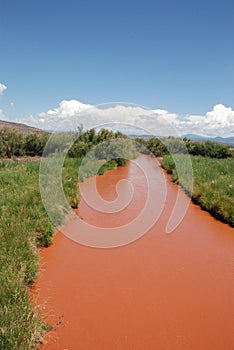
(162, 291)
(213, 183)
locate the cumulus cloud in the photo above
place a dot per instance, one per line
(130, 118)
(2, 88)
(218, 122)
(136, 119)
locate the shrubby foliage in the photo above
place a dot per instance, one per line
(160, 147)
(14, 143)
(11, 143)
(85, 140)
(34, 144)
(208, 149)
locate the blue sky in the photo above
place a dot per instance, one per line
(172, 55)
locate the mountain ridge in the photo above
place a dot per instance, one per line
(226, 140)
(20, 127)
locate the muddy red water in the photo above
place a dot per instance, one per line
(161, 292)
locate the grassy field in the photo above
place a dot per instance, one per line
(213, 187)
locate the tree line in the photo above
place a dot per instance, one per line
(160, 147)
(17, 144)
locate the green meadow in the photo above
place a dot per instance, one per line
(213, 187)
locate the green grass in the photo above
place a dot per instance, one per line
(213, 187)
(24, 226)
(70, 180)
(107, 166)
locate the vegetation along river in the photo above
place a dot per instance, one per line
(162, 291)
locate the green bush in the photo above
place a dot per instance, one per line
(172, 145)
(34, 144)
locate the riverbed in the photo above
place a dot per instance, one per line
(162, 291)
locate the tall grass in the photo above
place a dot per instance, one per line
(213, 187)
(70, 180)
(24, 226)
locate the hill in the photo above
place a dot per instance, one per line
(23, 128)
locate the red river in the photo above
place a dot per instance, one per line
(160, 292)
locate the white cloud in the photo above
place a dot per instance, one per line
(2, 88)
(218, 122)
(69, 114)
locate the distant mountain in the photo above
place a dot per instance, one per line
(196, 137)
(228, 140)
(225, 140)
(19, 127)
